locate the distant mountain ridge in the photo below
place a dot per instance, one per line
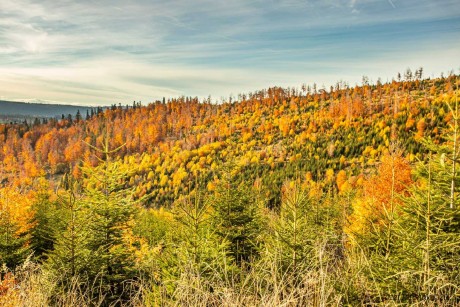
(26, 110)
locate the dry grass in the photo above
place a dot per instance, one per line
(332, 283)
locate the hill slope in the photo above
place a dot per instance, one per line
(272, 134)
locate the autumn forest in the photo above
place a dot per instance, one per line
(310, 196)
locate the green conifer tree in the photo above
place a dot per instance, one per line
(13, 248)
(430, 234)
(110, 205)
(236, 218)
(291, 237)
(70, 258)
(194, 258)
(302, 231)
(198, 242)
(44, 220)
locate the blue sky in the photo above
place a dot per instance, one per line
(103, 52)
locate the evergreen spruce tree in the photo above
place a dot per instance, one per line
(236, 218)
(194, 259)
(430, 237)
(44, 220)
(303, 235)
(13, 249)
(198, 242)
(291, 236)
(111, 208)
(70, 259)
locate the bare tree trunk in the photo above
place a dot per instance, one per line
(454, 153)
(426, 260)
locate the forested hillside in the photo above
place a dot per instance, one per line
(17, 112)
(304, 197)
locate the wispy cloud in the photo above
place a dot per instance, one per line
(117, 51)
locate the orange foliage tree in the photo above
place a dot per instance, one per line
(379, 202)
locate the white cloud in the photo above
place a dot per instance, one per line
(118, 51)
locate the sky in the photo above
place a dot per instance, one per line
(109, 51)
